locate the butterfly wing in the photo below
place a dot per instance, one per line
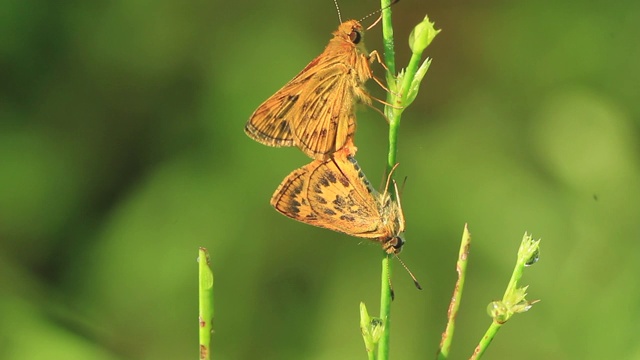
(332, 194)
(327, 118)
(270, 123)
(314, 111)
(340, 193)
(290, 198)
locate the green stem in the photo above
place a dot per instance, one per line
(486, 340)
(205, 303)
(393, 147)
(516, 275)
(461, 269)
(371, 355)
(385, 292)
(387, 35)
(514, 300)
(390, 62)
(385, 308)
(397, 102)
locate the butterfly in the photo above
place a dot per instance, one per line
(315, 110)
(335, 194)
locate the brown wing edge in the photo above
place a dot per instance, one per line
(273, 129)
(289, 197)
(278, 132)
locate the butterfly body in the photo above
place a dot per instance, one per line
(315, 110)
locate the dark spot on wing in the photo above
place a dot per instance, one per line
(320, 199)
(292, 209)
(284, 127)
(345, 182)
(329, 212)
(293, 98)
(323, 181)
(331, 176)
(347, 218)
(340, 203)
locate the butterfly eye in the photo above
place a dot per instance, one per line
(396, 243)
(355, 37)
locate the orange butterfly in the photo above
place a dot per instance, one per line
(335, 194)
(315, 110)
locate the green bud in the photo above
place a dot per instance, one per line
(422, 35)
(415, 84)
(371, 327)
(529, 252)
(499, 312)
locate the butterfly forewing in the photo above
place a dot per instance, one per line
(315, 110)
(326, 127)
(268, 124)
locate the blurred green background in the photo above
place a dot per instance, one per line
(122, 151)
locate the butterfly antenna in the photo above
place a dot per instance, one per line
(386, 185)
(377, 11)
(415, 281)
(338, 9)
(404, 182)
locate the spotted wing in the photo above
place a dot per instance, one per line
(332, 194)
(290, 198)
(340, 195)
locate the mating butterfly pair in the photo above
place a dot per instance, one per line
(315, 112)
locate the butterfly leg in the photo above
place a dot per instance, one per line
(375, 56)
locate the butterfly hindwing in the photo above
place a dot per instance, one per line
(333, 194)
(338, 192)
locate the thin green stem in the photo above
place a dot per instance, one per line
(461, 269)
(393, 147)
(390, 62)
(387, 35)
(385, 290)
(514, 300)
(486, 340)
(516, 275)
(205, 303)
(371, 355)
(397, 98)
(385, 308)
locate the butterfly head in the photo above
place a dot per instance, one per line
(393, 245)
(352, 31)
